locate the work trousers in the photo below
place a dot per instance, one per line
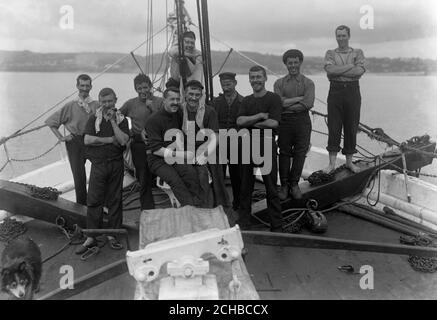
(105, 187)
(344, 104)
(294, 141)
(234, 175)
(183, 180)
(76, 157)
(270, 183)
(143, 174)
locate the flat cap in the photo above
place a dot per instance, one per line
(227, 75)
(194, 84)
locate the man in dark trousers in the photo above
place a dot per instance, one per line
(344, 67)
(106, 135)
(181, 176)
(261, 111)
(74, 116)
(139, 109)
(227, 105)
(297, 94)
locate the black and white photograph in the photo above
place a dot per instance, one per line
(246, 151)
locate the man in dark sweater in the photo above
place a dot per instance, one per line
(181, 176)
(106, 134)
(261, 111)
(227, 105)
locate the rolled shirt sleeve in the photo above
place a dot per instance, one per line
(329, 58)
(360, 60)
(277, 88)
(60, 117)
(309, 94)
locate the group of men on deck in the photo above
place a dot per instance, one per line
(162, 130)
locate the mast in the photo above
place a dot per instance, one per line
(202, 12)
(180, 31)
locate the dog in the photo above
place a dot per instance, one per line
(22, 268)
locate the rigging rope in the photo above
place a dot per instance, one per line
(106, 69)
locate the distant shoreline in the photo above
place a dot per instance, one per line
(400, 74)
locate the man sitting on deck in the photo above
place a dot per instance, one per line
(106, 135)
(172, 166)
(74, 116)
(139, 109)
(200, 123)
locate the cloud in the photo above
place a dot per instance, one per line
(251, 25)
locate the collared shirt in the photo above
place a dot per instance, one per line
(298, 86)
(73, 115)
(227, 113)
(340, 58)
(139, 112)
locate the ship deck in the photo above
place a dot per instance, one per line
(285, 272)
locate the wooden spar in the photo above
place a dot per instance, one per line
(15, 199)
(385, 221)
(304, 241)
(89, 281)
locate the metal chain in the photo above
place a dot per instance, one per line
(421, 264)
(45, 193)
(10, 229)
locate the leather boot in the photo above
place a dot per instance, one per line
(283, 193)
(295, 192)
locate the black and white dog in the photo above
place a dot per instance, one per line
(21, 268)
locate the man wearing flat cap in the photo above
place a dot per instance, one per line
(198, 115)
(227, 105)
(297, 93)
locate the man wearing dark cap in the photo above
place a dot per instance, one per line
(201, 116)
(227, 105)
(297, 93)
(139, 109)
(192, 66)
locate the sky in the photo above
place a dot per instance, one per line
(382, 28)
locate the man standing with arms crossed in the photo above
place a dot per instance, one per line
(297, 94)
(140, 109)
(74, 116)
(261, 110)
(344, 67)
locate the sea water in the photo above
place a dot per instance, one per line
(403, 106)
